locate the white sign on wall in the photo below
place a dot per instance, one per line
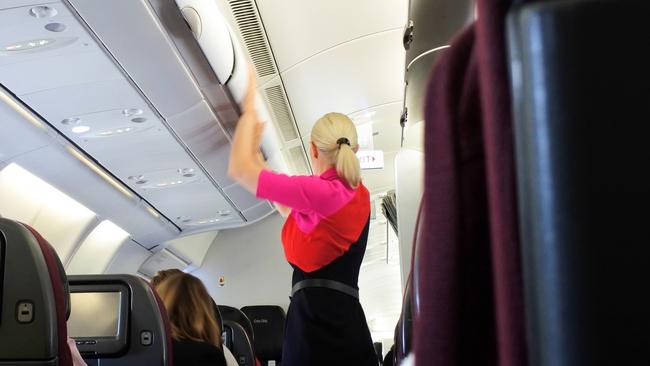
(371, 159)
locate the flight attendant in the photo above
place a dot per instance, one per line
(324, 237)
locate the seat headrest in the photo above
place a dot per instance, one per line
(242, 347)
(268, 326)
(34, 283)
(217, 314)
(237, 316)
(63, 277)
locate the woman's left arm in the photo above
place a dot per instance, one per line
(245, 163)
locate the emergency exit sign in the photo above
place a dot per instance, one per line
(371, 159)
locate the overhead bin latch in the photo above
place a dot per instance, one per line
(407, 39)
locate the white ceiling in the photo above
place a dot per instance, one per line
(300, 29)
(343, 56)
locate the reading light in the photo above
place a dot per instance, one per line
(187, 172)
(42, 12)
(130, 112)
(138, 120)
(80, 129)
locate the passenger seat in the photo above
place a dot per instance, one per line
(239, 334)
(268, 327)
(34, 299)
(143, 334)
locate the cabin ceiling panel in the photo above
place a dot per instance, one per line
(168, 83)
(7, 4)
(299, 29)
(24, 137)
(35, 58)
(58, 167)
(351, 77)
(117, 94)
(384, 120)
(194, 204)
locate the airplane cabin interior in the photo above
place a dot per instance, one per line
(500, 143)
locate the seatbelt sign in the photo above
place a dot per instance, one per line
(371, 159)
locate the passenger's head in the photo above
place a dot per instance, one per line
(162, 275)
(334, 143)
(190, 309)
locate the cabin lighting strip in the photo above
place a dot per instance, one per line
(9, 100)
(99, 171)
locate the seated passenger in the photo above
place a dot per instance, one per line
(162, 275)
(77, 360)
(195, 332)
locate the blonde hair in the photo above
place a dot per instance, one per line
(190, 309)
(328, 134)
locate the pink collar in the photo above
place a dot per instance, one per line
(330, 174)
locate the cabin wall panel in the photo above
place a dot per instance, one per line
(95, 254)
(128, 259)
(252, 262)
(192, 248)
(409, 169)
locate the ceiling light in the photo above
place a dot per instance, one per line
(209, 221)
(42, 12)
(130, 112)
(71, 121)
(28, 45)
(80, 129)
(171, 183)
(19, 108)
(223, 213)
(115, 131)
(138, 120)
(99, 171)
(55, 27)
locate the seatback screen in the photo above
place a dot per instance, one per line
(94, 314)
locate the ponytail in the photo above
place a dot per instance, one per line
(347, 165)
(335, 136)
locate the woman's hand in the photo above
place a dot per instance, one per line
(245, 164)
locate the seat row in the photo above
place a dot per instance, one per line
(113, 319)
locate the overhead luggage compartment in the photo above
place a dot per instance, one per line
(126, 83)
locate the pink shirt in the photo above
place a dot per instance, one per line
(327, 215)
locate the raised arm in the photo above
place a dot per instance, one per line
(245, 162)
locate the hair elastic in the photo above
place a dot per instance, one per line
(343, 140)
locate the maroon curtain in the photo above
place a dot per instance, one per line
(469, 304)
